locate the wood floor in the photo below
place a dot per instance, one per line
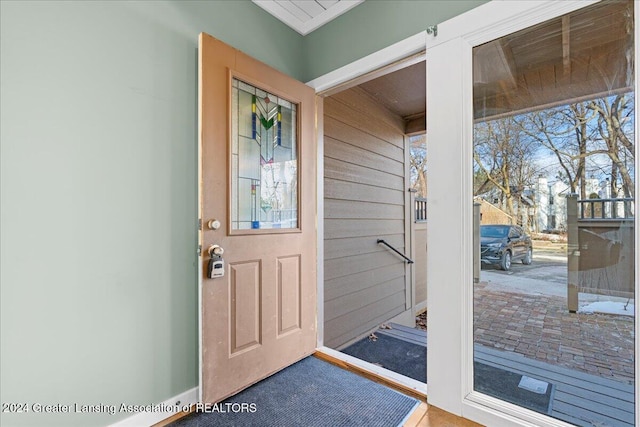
(430, 416)
(423, 416)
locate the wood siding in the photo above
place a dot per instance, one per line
(491, 214)
(420, 268)
(364, 200)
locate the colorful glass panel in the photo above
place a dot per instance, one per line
(264, 187)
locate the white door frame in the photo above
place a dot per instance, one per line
(394, 53)
(449, 270)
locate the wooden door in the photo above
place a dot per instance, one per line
(258, 203)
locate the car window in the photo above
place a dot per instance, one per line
(513, 232)
(493, 231)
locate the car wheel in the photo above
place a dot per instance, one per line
(505, 262)
(528, 257)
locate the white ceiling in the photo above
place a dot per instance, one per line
(304, 16)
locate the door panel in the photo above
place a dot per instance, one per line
(261, 315)
(245, 311)
(288, 294)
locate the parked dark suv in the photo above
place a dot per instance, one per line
(502, 244)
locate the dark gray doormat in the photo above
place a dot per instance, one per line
(391, 353)
(503, 385)
(310, 393)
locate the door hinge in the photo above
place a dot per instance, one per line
(199, 223)
(199, 250)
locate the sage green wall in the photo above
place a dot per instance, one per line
(98, 145)
(98, 131)
(371, 26)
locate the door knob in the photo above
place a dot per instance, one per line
(215, 250)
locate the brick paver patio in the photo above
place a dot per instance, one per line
(540, 327)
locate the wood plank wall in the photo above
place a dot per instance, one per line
(420, 266)
(364, 199)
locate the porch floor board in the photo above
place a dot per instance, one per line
(579, 398)
(412, 335)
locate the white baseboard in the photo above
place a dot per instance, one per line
(142, 419)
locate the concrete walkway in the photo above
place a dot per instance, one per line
(541, 328)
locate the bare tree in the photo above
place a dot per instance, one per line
(503, 156)
(481, 182)
(614, 123)
(565, 132)
(418, 164)
(593, 137)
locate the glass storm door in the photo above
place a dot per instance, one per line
(535, 119)
(553, 172)
(257, 199)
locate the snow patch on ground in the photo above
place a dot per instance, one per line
(608, 307)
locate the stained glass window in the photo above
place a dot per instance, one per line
(264, 165)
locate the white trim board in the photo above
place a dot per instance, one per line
(415, 385)
(320, 221)
(182, 401)
(389, 55)
(200, 222)
(399, 51)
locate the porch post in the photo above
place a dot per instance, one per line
(476, 242)
(573, 252)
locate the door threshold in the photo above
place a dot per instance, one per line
(376, 373)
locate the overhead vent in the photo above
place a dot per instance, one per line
(304, 16)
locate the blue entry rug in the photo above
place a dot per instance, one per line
(309, 393)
